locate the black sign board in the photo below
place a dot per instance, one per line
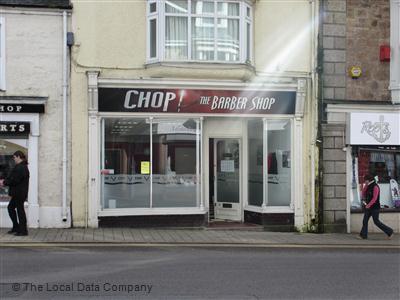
(197, 101)
(14, 128)
(21, 108)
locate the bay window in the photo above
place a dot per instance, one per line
(199, 31)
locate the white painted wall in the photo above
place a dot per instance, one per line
(34, 41)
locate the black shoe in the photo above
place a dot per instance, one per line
(21, 234)
(12, 231)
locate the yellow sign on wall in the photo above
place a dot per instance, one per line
(145, 167)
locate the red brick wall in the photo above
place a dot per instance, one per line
(368, 27)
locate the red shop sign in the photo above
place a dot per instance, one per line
(197, 101)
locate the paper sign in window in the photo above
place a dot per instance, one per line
(145, 167)
(228, 165)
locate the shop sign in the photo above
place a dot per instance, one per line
(14, 128)
(197, 101)
(374, 129)
(21, 108)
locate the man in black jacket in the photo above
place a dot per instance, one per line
(18, 182)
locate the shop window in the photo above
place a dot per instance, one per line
(279, 162)
(125, 163)
(204, 31)
(385, 164)
(150, 163)
(2, 55)
(174, 163)
(276, 156)
(255, 161)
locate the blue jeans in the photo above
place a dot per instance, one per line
(375, 216)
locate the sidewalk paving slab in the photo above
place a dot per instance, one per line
(188, 236)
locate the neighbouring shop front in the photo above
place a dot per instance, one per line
(182, 155)
(374, 138)
(19, 130)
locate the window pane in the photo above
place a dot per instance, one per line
(202, 7)
(176, 41)
(228, 40)
(248, 12)
(174, 163)
(203, 38)
(279, 162)
(126, 157)
(255, 161)
(385, 165)
(153, 7)
(153, 38)
(228, 9)
(176, 6)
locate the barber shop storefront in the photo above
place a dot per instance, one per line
(189, 155)
(374, 139)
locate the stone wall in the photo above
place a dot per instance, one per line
(333, 42)
(368, 27)
(334, 178)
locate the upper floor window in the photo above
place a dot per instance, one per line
(2, 55)
(206, 31)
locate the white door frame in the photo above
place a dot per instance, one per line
(240, 204)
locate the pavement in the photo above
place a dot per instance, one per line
(192, 237)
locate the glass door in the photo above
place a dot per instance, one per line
(227, 179)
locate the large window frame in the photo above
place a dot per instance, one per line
(2, 55)
(266, 206)
(156, 14)
(151, 121)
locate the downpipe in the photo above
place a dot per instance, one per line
(65, 114)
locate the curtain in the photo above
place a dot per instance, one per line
(176, 38)
(203, 38)
(228, 39)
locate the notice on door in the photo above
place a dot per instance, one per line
(145, 167)
(228, 165)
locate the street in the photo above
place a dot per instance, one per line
(199, 273)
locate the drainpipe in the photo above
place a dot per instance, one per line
(65, 107)
(314, 20)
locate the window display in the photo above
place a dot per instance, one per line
(278, 161)
(382, 163)
(150, 163)
(279, 170)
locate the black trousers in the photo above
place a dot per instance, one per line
(375, 216)
(16, 207)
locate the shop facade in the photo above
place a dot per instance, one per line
(198, 116)
(359, 104)
(184, 155)
(33, 87)
(372, 146)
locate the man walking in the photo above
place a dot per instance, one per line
(18, 181)
(371, 194)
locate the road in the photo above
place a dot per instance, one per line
(198, 273)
